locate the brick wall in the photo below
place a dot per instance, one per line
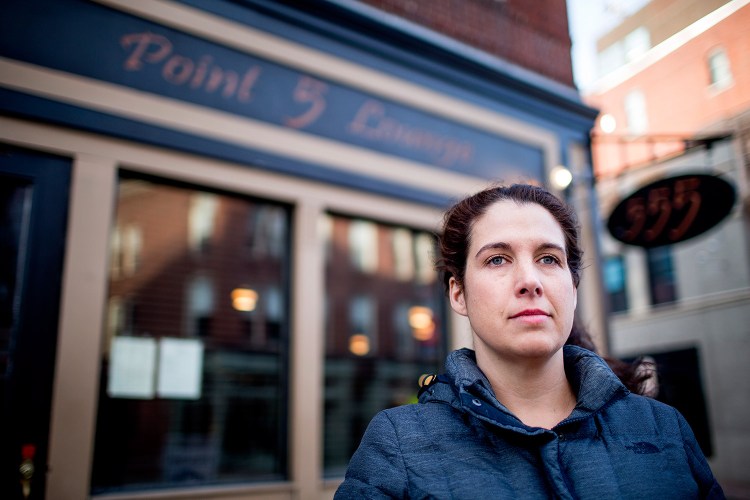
(680, 102)
(529, 33)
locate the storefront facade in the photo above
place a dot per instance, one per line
(221, 232)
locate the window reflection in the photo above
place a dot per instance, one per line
(200, 306)
(424, 254)
(126, 250)
(201, 221)
(384, 326)
(267, 230)
(363, 245)
(363, 326)
(193, 380)
(403, 254)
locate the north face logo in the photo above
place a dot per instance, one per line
(643, 448)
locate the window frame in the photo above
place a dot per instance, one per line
(97, 161)
(661, 259)
(366, 292)
(636, 112)
(622, 293)
(719, 66)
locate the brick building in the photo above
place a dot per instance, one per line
(682, 84)
(675, 101)
(533, 35)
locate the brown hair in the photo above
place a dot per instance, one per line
(459, 220)
(638, 376)
(454, 242)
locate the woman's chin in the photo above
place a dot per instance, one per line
(538, 348)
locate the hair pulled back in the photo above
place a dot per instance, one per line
(459, 220)
(455, 240)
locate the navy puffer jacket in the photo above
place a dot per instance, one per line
(460, 442)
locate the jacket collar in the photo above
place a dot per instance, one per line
(467, 389)
(593, 381)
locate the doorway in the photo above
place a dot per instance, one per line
(34, 192)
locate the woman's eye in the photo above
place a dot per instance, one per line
(497, 260)
(548, 259)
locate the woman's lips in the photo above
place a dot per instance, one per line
(530, 312)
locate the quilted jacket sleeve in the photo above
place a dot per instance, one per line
(709, 487)
(377, 468)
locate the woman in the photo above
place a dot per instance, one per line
(523, 415)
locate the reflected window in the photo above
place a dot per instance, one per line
(382, 330)
(201, 221)
(405, 339)
(424, 251)
(363, 249)
(188, 398)
(120, 314)
(267, 231)
(126, 250)
(200, 306)
(403, 253)
(719, 69)
(363, 326)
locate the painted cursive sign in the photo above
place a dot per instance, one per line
(102, 43)
(671, 210)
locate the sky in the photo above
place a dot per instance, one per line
(588, 20)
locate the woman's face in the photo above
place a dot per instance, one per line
(518, 292)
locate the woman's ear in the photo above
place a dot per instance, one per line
(457, 297)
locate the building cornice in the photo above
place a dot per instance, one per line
(398, 33)
(665, 48)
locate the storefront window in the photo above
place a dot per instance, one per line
(661, 275)
(385, 326)
(615, 283)
(194, 370)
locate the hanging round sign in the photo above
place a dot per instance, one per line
(671, 210)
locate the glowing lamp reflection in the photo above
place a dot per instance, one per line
(244, 299)
(422, 323)
(359, 344)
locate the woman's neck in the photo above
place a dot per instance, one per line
(536, 391)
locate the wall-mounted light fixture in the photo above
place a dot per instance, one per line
(560, 177)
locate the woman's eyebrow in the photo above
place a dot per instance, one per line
(501, 245)
(552, 246)
(495, 245)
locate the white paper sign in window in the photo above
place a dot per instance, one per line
(132, 367)
(180, 368)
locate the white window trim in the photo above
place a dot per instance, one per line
(96, 162)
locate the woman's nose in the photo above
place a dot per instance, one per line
(527, 280)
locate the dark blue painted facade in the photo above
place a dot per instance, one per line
(101, 43)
